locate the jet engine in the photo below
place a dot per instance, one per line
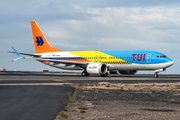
(96, 68)
(128, 71)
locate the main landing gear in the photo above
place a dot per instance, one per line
(104, 75)
(156, 75)
(84, 73)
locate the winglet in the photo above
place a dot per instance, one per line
(19, 56)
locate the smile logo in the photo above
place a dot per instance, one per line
(39, 41)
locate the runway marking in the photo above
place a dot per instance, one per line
(60, 80)
(37, 84)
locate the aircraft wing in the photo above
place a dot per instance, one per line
(62, 61)
(32, 55)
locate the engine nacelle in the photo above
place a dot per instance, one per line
(96, 68)
(128, 71)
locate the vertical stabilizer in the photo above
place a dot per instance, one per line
(40, 42)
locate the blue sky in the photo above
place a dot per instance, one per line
(90, 25)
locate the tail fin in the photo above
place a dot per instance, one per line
(40, 42)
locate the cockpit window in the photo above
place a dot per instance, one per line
(162, 56)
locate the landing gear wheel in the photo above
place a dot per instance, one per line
(155, 75)
(84, 73)
(104, 75)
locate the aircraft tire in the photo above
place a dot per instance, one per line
(84, 74)
(104, 75)
(156, 75)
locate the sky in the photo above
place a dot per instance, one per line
(79, 25)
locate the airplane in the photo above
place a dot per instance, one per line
(95, 62)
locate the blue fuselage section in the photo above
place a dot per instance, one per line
(140, 56)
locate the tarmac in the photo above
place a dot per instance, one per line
(41, 95)
(32, 102)
(17, 77)
(29, 101)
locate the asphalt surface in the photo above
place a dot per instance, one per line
(40, 77)
(28, 102)
(32, 102)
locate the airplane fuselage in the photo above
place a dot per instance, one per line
(115, 60)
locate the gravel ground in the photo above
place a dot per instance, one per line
(119, 104)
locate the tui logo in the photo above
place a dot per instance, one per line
(39, 41)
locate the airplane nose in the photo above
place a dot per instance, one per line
(170, 63)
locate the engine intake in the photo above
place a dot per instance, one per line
(96, 68)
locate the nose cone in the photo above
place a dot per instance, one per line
(169, 62)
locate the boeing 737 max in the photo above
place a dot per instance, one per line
(95, 62)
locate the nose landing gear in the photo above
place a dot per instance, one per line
(157, 71)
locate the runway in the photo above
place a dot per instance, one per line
(41, 95)
(41, 77)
